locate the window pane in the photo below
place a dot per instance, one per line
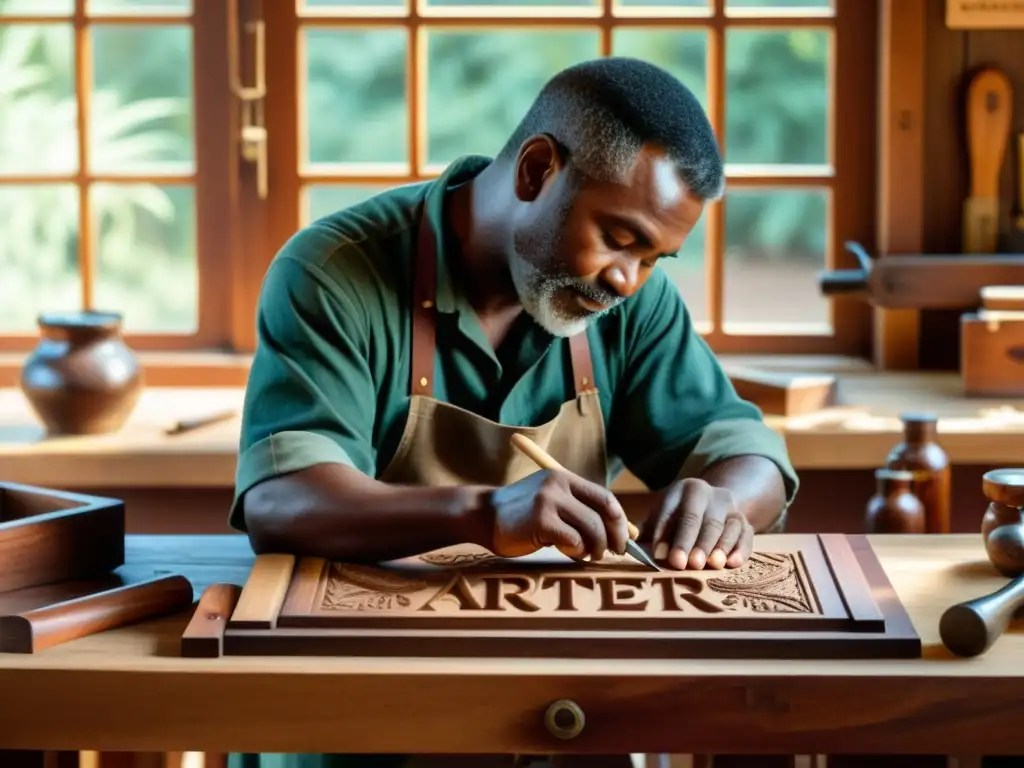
(681, 52)
(38, 253)
(36, 8)
(324, 199)
(355, 96)
(330, 7)
(686, 6)
(779, 4)
(777, 96)
(488, 4)
(38, 111)
(147, 255)
(139, 7)
(687, 272)
(140, 116)
(775, 246)
(475, 98)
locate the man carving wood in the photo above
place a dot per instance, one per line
(404, 340)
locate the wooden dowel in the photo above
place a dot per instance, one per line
(544, 460)
(42, 628)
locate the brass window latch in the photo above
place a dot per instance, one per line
(253, 137)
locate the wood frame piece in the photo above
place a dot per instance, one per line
(900, 215)
(48, 536)
(860, 617)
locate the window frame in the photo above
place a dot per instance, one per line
(214, 169)
(851, 116)
(238, 232)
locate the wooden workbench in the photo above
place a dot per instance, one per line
(128, 689)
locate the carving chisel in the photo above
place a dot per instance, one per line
(542, 459)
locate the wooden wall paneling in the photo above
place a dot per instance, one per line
(901, 88)
(945, 175)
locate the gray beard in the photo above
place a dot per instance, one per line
(539, 291)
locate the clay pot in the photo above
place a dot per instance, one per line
(81, 379)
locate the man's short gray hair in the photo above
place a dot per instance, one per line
(603, 111)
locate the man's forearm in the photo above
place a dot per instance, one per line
(336, 512)
(757, 485)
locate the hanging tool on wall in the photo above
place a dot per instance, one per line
(989, 111)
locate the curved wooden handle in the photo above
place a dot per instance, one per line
(989, 107)
(970, 628)
(43, 628)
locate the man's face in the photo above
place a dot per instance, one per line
(580, 250)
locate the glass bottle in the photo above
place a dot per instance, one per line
(894, 508)
(920, 454)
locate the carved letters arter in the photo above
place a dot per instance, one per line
(767, 583)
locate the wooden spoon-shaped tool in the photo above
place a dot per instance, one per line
(989, 112)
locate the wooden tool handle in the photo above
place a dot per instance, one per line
(204, 635)
(970, 628)
(198, 422)
(544, 460)
(989, 111)
(43, 628)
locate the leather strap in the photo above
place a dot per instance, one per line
(424, 323)
(424, 310)
(582, 364)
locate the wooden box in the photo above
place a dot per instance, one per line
(992, 353)
(798, 596)
(48, 536)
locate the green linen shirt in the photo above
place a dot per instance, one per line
(329, 381)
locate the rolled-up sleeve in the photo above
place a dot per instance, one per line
(310, 395)
(675, 412)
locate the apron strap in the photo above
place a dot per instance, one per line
(582, 364)
(424, 326)
(424, 310)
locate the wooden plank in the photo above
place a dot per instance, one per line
(855, 588)
(901, 165)
(264, 592)
(204, 635)
(304, 587)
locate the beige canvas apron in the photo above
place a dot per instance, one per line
(443, 444)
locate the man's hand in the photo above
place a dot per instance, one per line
(556, 509)
(697, 524)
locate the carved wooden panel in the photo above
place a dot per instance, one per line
(797, 595)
